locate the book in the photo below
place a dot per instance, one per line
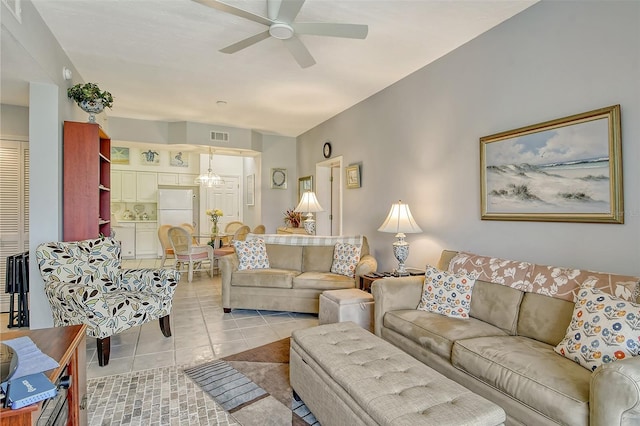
(26, 390)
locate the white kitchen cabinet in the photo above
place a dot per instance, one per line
(146, 239)
(128, 187)
(146, 187)
(126, 234)
(116, 185)
(168, 179)
(185, 179)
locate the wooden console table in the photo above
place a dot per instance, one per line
(66, 345)
(288, 230)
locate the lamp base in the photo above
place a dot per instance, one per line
(401, 252)
(310, 226)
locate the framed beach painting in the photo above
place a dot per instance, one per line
(564, 170)
(119, 155)
(179, 158)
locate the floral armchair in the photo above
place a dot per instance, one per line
(85, 284)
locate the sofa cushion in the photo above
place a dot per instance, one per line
(544, 318)
(285, 257)
(496, 304)
(322, 281)
(251, 254)
(603, 329)
(446, 294)
(529, 371)
(345, 258)
(317, 258)
(436, 332)
(280, 278)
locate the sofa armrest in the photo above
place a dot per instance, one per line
(391, 294)
(228, 264)
(614, 393)
(366, 265)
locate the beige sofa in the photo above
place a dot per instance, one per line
(299, 271)
(505, 350)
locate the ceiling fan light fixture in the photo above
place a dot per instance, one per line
(281, 31)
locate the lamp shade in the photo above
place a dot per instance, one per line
(400, 220)
(308, 203)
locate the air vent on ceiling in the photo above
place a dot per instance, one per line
(219, 136)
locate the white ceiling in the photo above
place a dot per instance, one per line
(160, 59)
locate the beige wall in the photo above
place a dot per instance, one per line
(418, 140)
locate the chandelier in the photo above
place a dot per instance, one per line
(210, 178)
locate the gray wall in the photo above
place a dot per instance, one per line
(418, 140)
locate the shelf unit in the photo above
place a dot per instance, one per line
(86, 181)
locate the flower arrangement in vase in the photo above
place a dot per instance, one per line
(292, 218)
(215, 215)
(90, 99)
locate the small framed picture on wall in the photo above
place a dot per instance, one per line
(278, 178)
(353, 176)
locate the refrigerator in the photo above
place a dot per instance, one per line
(175, 207)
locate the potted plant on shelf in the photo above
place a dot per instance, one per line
(90, 98)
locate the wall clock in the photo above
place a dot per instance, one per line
(279, 178)
(326, 150)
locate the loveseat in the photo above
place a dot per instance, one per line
(504, 350)
(297, 270)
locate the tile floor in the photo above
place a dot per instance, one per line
(201, 331)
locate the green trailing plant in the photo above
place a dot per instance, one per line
(90, 92)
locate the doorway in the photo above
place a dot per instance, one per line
(329, 194)
(226, 197)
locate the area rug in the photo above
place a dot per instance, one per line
(254, 386)
(158, 396)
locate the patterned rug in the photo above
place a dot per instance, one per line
(254, 386)
(159, 396)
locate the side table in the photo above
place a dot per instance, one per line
(367, 280)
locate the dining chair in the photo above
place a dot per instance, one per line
(260, 229)
(192, 231)
(186, 253)
(167, 250)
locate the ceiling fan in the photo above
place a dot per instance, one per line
(281, 16)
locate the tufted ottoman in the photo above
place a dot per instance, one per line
(346, 375)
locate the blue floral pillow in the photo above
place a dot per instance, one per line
(446, 293)
(345, 259)
(603, 329)
(251, 254)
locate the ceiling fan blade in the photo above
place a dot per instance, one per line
(299, 52)
(332, 29)
(245, 43)
(236, 11)
(289, 9)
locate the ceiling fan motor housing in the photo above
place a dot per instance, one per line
(281, 31)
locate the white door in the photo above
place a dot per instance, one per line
(14, 206)
(224, 197)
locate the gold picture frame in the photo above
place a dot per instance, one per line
(563, 170)
(353, 176)
(304, 184)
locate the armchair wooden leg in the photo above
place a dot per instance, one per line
(104, 350)
(165, 326)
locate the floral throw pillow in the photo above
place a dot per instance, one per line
(603, 329)
(345, 259)
(446, 293)
(251, 254)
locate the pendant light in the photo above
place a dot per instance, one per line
(209, 179)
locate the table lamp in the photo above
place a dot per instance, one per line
(309, 204)
(399, 221)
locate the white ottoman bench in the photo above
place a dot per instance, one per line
(349, 304)
(348, 376)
